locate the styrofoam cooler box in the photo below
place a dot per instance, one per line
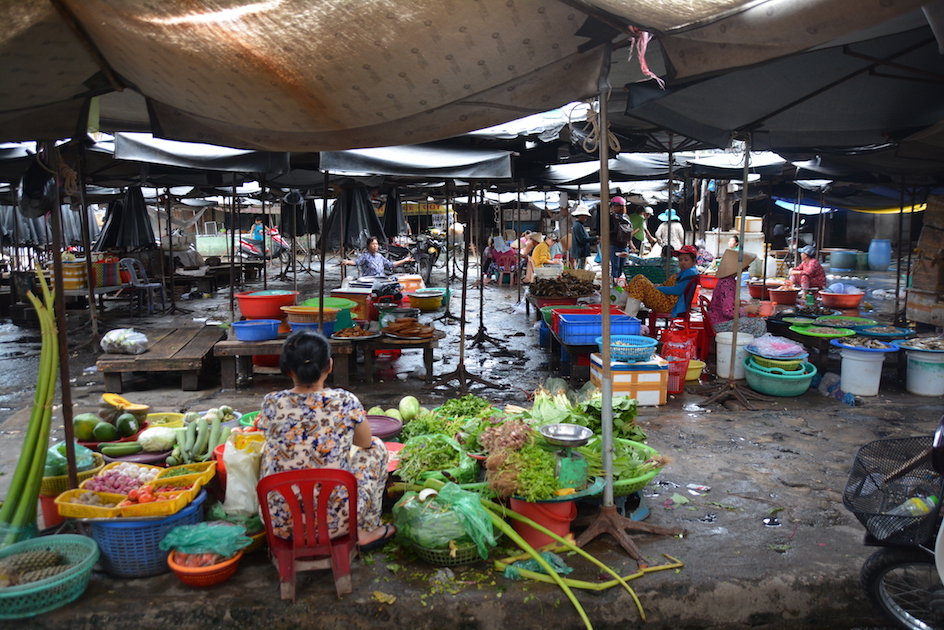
(646, 381)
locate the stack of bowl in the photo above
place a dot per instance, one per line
(266, 305)
(310, 318)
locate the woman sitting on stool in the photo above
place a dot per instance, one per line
(673, 296)
(809, 273)
(727, 292)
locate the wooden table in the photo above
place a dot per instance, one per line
(183, 350)
(236, 357)
(390, 343)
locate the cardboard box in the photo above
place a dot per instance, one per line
(646, 382)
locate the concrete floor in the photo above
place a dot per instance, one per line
(788, 460)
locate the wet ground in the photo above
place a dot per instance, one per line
(767, 542)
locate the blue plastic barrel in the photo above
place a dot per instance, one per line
(880, 254)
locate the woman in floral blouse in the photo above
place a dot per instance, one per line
(727, 293)
(311, 426)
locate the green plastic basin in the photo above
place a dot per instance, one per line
(776, 381)
(344, 318)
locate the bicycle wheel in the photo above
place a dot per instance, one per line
(904, 586)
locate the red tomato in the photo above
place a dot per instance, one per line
(146, 498)
(134, 494)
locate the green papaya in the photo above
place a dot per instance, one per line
(126, 424)
(376, 411)
(84, 424)
(104, 432)
(393, 413)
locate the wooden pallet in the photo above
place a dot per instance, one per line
(183, 350)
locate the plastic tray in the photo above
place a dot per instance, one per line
(839, 332)
(902, 332)
(860, 321)
(130, 547)
(188, 485)
(157, 508)
(205, 469)
(583, 330)
(29, 600)
(108, 467)
(838, 343)
(81, 510)
(54, 486)
(898, 343)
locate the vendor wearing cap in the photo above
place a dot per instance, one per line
(674, 296)
(727, 293)
(809, 273)
(580, 238)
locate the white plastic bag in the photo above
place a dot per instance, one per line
(124, 341)
(241, 457)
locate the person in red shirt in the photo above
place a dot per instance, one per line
(809, 273)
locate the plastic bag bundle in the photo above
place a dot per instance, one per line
(56, 464)
(221, 538)
(124, 341)
(772, 346)
(556, 562)
(453, 515)
(253, 524)
(242, 457)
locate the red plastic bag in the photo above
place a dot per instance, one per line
(679, 343)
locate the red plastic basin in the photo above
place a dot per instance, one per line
(265, 304)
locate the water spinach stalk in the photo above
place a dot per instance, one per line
(19, 508)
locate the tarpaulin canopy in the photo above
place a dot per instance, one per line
(394, 223)
(441, 160)
(624, 167)
(327, 75)
(862, 94)
(143, 147)
(38, 232)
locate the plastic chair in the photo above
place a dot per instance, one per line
(307, 494)
(689, 296)
(141, 287)
(507, 263)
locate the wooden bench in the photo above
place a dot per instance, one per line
(389, 343)
(183, 350)
(236, 358)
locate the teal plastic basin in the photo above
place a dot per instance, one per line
(776, 381)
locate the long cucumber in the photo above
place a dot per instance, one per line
(215, 429)
(203, 438)
(121, 449)
(190, 437)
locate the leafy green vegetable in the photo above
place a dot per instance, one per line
(421, 455)
(428, 425)
(589, 413)
(466, 407)
(629, 460)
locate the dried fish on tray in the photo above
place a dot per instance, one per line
(562, 287)
(865, 342)
(924, 343)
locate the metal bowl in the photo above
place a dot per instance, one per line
(564, 434)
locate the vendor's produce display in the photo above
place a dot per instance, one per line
(822, 331)
(843, 322)
(634, 463)
(436, 456)
(566, 286)
(517, 465)
(808, 311)
(884, 332)
(202, 435)
(205, 554)
(408, 328)
(44, 573)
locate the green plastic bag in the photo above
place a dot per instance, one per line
(412, 460)
(221, 538)
(454, 515)
(56, 464)
(253, 524)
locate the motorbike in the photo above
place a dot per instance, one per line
(280, 248)
(894, 490)
(425, 252)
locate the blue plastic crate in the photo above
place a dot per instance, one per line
(544, 335)
(582, 330)
(130, 547)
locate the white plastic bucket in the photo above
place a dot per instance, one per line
(925, 373)
(723, 350)
(861, 371)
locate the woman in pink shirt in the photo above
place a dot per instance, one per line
(727, 293)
